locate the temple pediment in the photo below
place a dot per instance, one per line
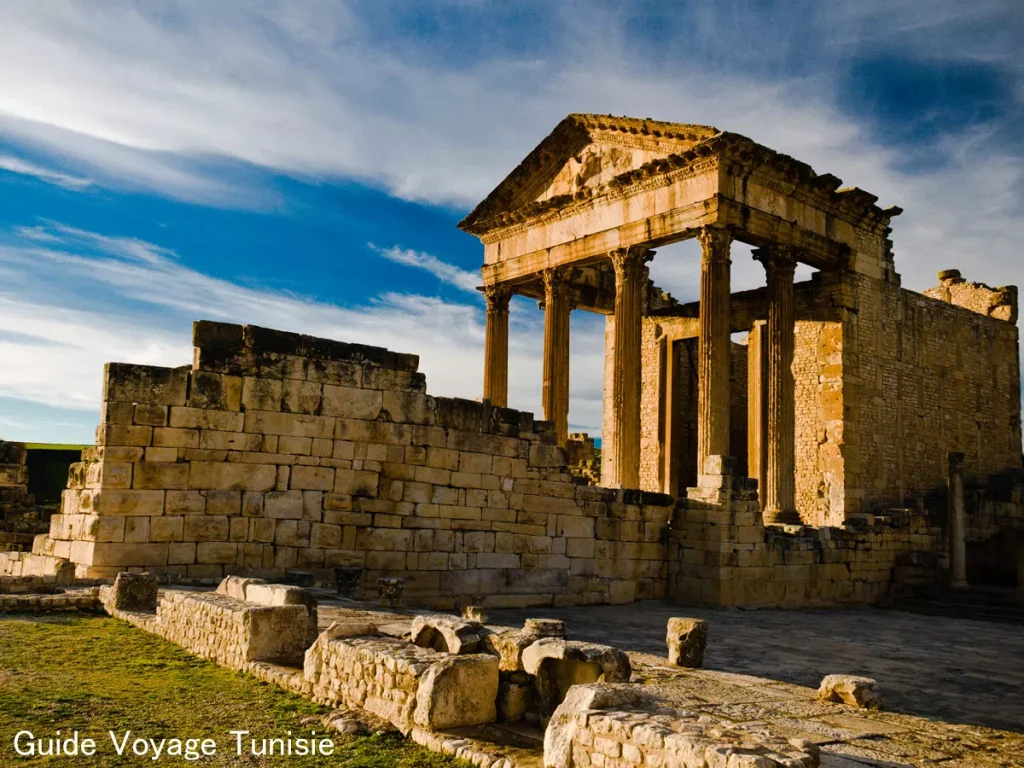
(583, 157)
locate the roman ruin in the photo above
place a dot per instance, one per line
(839, 441)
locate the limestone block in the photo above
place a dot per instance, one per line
(514, 701)
(233, 587)
(215, 391)
(558, 664)
(351, 402)
(686, 641)
(446, 634)
(390, 591)
(123, 382)
(201, 418)
(342, 629)
(232, 476)
(259, 394)
(160, 475)
(564, 724)
(861, 692)
(458, 691)
(134, 592)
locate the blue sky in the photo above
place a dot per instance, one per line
(303, 164)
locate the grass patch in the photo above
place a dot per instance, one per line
(94, 674)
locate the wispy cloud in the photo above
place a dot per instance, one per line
(442, 270)
(86, 298)
(67, 181)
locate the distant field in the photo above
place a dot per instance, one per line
(55, 447)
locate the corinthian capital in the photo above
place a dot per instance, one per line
(777, 259)
(497, 296)
(557, 282)
(629, 262)
(714, 243)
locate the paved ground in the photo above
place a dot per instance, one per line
(952, 670)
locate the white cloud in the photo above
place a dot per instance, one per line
(442, 270)
(67, 181)
(69, 314)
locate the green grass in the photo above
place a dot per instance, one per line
(56, 446)
(93, 674)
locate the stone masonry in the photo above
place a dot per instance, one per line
(276, 451)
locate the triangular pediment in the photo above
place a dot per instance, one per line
(581, 157)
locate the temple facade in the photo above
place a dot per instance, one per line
(849, 391)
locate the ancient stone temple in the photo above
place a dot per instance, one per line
(850, 391)
(863, 435)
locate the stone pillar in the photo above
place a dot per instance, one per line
(713, 352)
(957, 522)
(555, 393)
(756, 406)
(630, 282)
(496, 345)
(779, 492)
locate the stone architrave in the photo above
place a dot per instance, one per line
(713, 389)
(557, 305)
(630, 282)
(780, 449)
(496, 344)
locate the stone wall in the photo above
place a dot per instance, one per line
(229, 631)
(20, 564)
(14, 496)
(721, 554)
(277, 451)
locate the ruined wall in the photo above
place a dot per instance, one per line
(277, 451)
(721, 554)
(14, 497)
(923, 378)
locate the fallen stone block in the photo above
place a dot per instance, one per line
(390, 591)
(134, 592)
(446, 634)
(557, 665)
(342, 629)
(861, 692)
(474, 613)
(458, 691)
(686, 641)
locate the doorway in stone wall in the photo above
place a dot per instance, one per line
(993, 562)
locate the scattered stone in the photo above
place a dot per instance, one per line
(686, 640)
(514, 701)
(458, 691)
(557, 665)
(390, 592)
(860, 692)
(135, 592)
(545, 627)
(343, 629)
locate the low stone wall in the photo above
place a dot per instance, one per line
(61, 571)
(402, 683)
(606, 725)
(229, 631)
(720, 553)
(276, 451)
(87, 600)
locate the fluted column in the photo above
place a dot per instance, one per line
(556, 351)
(780, 449)
(496, 345)
(957, 522)
(630, 280)
(713, 391)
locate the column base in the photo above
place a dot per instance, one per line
(781, 517)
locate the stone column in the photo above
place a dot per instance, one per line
(630, 282)
(780, 449)
(496, 345)
(713, 351)
(756, 406)
(555, 393)
(957, 522)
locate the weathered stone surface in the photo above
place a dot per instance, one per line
(686, 641)
(557, 665)
(861, 692)
(134, 592)
(446, 634)
(458, 691)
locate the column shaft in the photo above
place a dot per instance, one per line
(780, 451)
(556, 352)
(756, 406)
(713, 391)
(496, 345)
(630, 281)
